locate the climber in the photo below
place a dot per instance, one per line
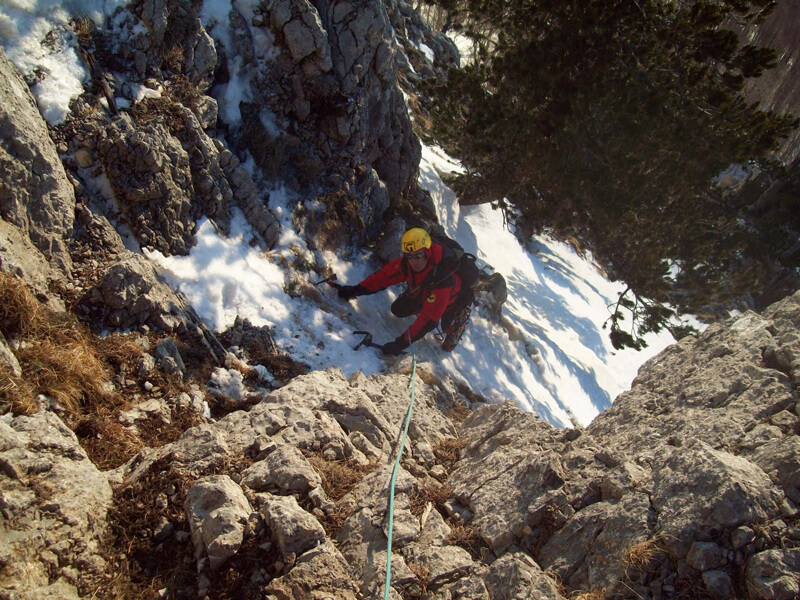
(435, 291)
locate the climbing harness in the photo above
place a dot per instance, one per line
(394, 476)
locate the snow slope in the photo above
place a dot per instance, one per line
(560, 364)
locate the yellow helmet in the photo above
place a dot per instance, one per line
(415, 239)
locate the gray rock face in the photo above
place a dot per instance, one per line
(35, 196)
(53, 502)
(149, 172)
(700, 489)
(774, 574)
(320, 572)
(709, 510)
(516, 576)
(8, 359)
(329, 108)
(286, 469)
(164, 181)
(681, 472)
(19, 257)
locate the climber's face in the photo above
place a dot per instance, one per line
(418, 260)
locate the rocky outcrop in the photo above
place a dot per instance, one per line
(164, 182)
(688, 477)
(689, 482)
(53, 503)
(328, 108)
(149, 173)
(35, 196)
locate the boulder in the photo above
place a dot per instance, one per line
(320, 573)
(293, 529)
(217, 512)
(516, 576)
(700, 489)
(285, 468)
(132, 293)
(149, 171)
(774, 574)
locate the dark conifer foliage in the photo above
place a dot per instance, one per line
(606, 121)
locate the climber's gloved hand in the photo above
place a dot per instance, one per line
(347, 292)
(395, 347)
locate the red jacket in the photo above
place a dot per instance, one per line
(438, 287)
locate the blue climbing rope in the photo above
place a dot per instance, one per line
(394, 477)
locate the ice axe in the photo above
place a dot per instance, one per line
(367, 341)
(331, 281)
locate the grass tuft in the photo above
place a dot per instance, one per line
(467, 536)
(434, 494)
(338, 477)
(21, 314)
(448, 451)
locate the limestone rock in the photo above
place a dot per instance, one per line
(284, 468)
(217, 511)
(700, 488)
(517, 576)
(7, 358)
(320, 573)
(201, 58)
(134, 294)
(443, 564)
(36, 196)
(54, 503)
(293, 529)
(150, 174)
(774, 574)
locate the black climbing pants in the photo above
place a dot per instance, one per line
(406, 305)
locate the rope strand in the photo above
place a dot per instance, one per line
(394, 477)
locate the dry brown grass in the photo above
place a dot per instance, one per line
(639, 555)
(423, 576)
(589, 595)
(138, 566)
(21, 314)
(467, 392)
(427, 377)
(64, 362)
(422, 123)
(107, 442)
(174, 58)
(448, 451)
(69, 372)
(338, 477)
(55, 352)
(468, 536)
(339, 225)
(434, 494)
(575, 594)
(457, 412)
